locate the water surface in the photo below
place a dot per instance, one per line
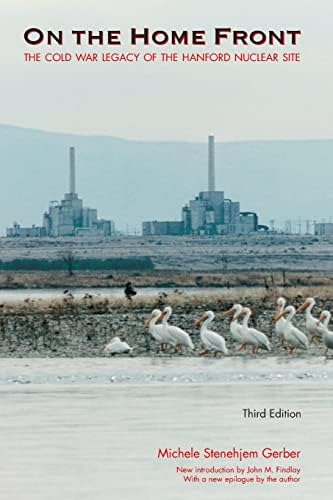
(77, 429)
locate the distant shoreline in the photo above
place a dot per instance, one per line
(264, 261)
(267, 280)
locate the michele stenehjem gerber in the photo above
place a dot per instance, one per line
(233, 453)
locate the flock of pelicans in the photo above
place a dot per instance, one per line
(291, 337)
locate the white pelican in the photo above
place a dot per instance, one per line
(312, 326)
(252, 336)
(178, 336)
(280, 323)
(212, 341)
(327, 334)
(293, 336)
(235, 329)
(158, 332)
(116, 346)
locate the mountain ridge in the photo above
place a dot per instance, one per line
(133, 180)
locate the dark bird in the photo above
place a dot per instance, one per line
(129, 291)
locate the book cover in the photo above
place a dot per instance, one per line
(166, 250)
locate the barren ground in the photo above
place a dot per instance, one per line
(254, 252)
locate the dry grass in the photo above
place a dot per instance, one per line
(222, 300)
(225, 279)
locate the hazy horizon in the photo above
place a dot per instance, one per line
(149, 139)
(132, 181)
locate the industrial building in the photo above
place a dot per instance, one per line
(67, 218)
(323, 229)
(208, 214)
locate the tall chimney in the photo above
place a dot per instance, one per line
(72, 170)
(211, 163)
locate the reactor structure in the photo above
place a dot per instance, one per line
(210, 213)
(67, 218)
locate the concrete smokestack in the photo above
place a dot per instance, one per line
(72, 170)
(211, 163)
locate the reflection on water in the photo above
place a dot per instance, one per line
(98, 440)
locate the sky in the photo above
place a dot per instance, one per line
(173, 101)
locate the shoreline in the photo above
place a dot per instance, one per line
(165, 279)
(72, 327)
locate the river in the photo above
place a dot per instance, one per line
(89, 429)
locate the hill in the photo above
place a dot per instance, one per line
(131, 181)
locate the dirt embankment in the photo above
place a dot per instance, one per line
(71, 328)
